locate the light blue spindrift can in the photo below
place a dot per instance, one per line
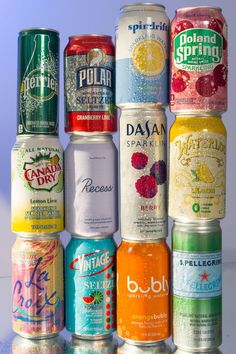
(142, 55)
(91, 287)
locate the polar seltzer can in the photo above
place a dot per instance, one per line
(91, 185)
(37, 286)
(143, 174)
(90, 84)
(197, 283)
(90, 273)
(37, 199)
(142, 55)
(143, 292)
(197, 178)
(199, 61)
(38, 81)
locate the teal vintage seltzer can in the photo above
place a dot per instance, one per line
(90, 273)
(197, 285)
(38, 81)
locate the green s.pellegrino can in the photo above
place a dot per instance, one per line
(197, 285)
(38, 81)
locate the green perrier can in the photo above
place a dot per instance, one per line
(197, 285)
(38, 81)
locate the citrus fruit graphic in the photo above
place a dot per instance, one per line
(148, 57)
(54, 159)
(88, 299)
(204, 174)
(98, 297)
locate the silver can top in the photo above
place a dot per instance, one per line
(144, 6)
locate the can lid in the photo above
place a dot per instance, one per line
(90, 35)
(40, 29)
(198, 7)
(198, 225)
(143, 241)
(39, 236)
(141, 4)
(97, 237)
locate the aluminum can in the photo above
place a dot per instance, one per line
(90, 84)
(91, 182)
(90, 273)
(38, 81)
(142, 55)
(81, 346)
(53, 345)
(143, 174)
(197, 177)
(197, 286)
(143, 292)
(37, 199)
(157, 348)
(199, 61)
(37, 287)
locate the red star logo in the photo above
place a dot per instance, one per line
(204, 276)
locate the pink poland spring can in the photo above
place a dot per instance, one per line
(199, 62)
(37, 286)
(91, 186)
(143, 174)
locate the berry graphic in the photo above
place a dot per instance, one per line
(158, 171)
(224, 43)
(216, 25)
(220, 74)
(180, 80)
(139, 160)
(88, 299)
(146, 186)
(206, 86)
(98, 297)
(182, 25)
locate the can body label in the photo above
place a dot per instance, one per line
(37, 187)
(37, 280)
(90, 287)
(197, 176)
(89, 87)
(143, 177)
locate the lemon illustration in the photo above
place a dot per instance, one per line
(204, 174)
(148, 57)
(54, 159)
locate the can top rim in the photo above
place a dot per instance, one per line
(89, 35)
(144, 241)
(202, 225)
(198, 7)
(38, 29)
(150, 4)
(99, 237)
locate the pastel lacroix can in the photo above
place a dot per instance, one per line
(89, 62)
(90, 273)
(197, 173)
(142, 55)
(37, 287)
(91, 191)
(197, 285)
(199, 60)
(37, 193)
(143, 174)
(38, 81)
(143, 292)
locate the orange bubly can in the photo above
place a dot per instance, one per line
(143, 292)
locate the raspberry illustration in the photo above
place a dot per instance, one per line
(139, 160)
(183, 25)
(180, 80)
(216, 25)
(220, 74)
(206, 86)
(146, 186)
(158, 171)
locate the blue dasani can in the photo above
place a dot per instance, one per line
(91, 287)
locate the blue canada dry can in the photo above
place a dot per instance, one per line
(91, 287)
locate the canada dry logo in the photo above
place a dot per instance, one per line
(44, 173)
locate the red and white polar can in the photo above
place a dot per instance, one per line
(199, 62)
(90, 84)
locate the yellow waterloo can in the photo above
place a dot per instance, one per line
(197, 169)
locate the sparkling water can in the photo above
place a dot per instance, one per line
(197, 286)
(90, 84)
(37, 193)
(37, 286)
(91, 185)
(143, 174)
(53, 345)
(38, 81)
(142, 55)
(90, 273)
